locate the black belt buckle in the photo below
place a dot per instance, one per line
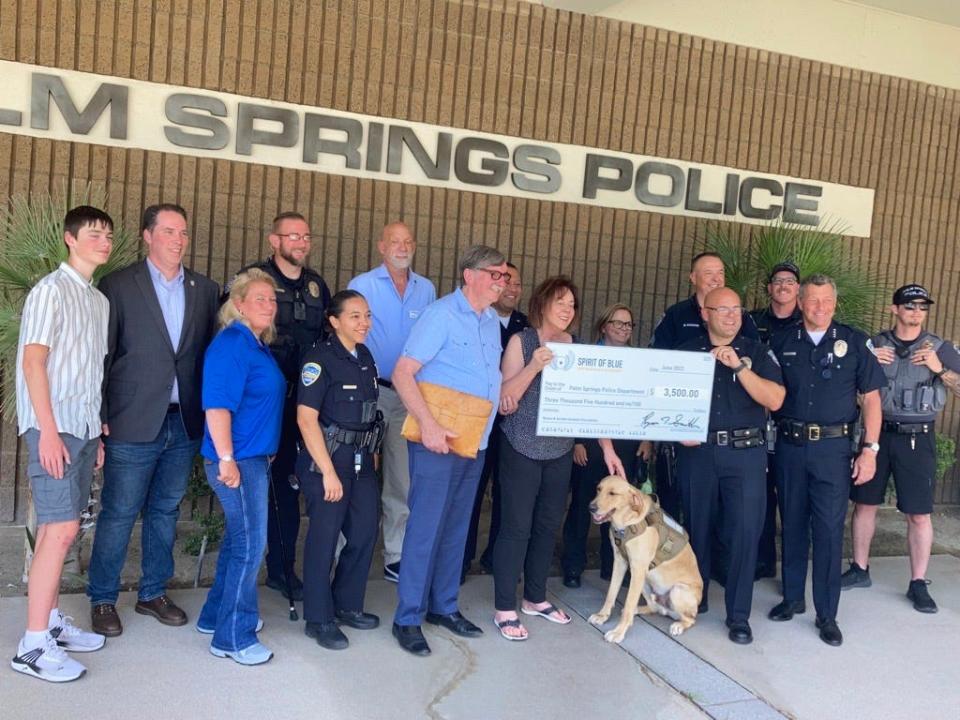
(813, 433)
(723, 438)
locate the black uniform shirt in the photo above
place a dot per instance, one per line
(731, 407)
(517, 322)
(337, 384)
(822, 381)
(300, 322)
(769, 324)
(683, 322)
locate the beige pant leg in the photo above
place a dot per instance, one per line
(396, 476)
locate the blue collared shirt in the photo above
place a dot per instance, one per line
(458, 348)
(240, 375)
(172, 305)
(393, 316)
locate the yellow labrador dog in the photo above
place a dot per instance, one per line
(662, 565)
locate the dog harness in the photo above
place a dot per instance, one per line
(673, 538)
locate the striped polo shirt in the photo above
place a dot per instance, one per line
(67, 314)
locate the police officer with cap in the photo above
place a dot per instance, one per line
(302, 298)
(782, 312)
(920, 369)
(825, 365)
(730, 468)
(342, 428)
(681, 322)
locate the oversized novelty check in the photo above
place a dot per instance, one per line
(594, 391)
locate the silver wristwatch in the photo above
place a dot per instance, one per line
(229, 458)
(872, 446)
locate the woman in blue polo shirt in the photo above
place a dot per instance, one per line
(243, 392)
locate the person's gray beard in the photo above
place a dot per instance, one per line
(399, 264)
(292, 260)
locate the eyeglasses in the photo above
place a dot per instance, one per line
(786, 282)
(496, 274)
(296, 237)
(724, 310)
(621, 325)
(922, 307)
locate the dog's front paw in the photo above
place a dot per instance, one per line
(598, 618)
(615, 635)
(676, 628)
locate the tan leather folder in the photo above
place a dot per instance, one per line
(465, 414)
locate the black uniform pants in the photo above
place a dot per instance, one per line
(491, 472)
(583, 488)
(713, 477)
(667, 488)
(356, 515)
(283, 515)
(767, 550)
(533, 495)
(813, 483)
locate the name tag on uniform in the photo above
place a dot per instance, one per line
(349, 387)
(696, 325)
(788, 353)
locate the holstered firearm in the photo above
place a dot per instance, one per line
(771, 435)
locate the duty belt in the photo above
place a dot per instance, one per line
(907, 428)
(798, 433)
(356, 438)
(383, 382)
(741, 438)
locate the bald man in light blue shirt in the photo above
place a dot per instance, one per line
(396, 296)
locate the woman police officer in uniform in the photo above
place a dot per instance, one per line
(341, 428)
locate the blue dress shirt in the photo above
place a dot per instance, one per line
(459, 348)
(172, 306)
(393, 316)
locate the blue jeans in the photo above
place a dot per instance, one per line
(148, 477)
(231, 606)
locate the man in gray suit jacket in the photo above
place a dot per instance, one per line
(162, 317)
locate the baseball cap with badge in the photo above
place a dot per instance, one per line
(784, 267)
(912, 293)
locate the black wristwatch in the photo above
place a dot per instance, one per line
(742, 366)
(872, 446)
(942, 371)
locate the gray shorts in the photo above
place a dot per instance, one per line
(61, 500)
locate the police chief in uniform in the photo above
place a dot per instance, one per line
(920, 369)
(782, 312)
(825, 365)
(302, 297)
(338, 419)
(730, 467)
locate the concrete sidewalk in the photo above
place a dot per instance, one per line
(894, 663)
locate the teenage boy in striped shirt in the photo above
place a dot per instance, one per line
(59, 373)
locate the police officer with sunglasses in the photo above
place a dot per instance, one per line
(825, 365)
(921, 369)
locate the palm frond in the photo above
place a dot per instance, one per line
(820, 250)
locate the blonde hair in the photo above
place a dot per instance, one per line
(238, 291)
(606, 316)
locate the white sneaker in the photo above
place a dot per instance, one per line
(47, 662)
(73, 639)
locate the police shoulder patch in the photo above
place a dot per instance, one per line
(310, 373)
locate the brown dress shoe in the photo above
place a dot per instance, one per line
(163, 609)
(105, 620)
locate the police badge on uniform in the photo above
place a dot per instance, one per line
(840, 348)
(313, 289)
(310, 374)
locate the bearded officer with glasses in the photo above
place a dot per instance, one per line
(921, 369)
(825, 365)
(302, 299)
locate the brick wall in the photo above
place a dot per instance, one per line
(505, 67)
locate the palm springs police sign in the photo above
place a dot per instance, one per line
(85, 107)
